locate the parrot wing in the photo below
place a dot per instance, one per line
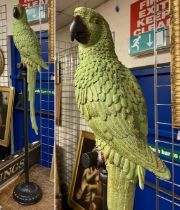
(29, 46)
(113, 105)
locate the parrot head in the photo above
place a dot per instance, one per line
(88, 26)
(19, 13)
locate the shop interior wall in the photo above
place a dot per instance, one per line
(120, 24)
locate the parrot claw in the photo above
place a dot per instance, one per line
(21, 65)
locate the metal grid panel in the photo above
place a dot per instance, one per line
(67, 135)
(164, 197)
(46, 111)
(46, 102)
(4, 78)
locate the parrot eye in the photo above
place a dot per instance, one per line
(94, 20)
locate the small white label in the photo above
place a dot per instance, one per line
(15, 156)
(178, 135)
(34, 142)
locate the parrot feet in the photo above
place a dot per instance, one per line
(21, 65)
(93, 159)
(100, 158)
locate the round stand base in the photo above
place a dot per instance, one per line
(27, 193)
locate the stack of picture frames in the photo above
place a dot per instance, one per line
(86, 188)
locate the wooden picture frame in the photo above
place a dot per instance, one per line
(58, 92)
(2, 61)
(6, 107)
(85, 191)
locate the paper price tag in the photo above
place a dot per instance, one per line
(178, 136)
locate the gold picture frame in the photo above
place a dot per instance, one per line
(2, 61)
(51, 21)
(175, 61)
(6, 107)
(85, 191)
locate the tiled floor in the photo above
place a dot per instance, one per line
(39, 175)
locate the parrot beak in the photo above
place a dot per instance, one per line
(79, 30)
(16, 13)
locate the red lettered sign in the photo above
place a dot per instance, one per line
(32, 3)
(142, 16)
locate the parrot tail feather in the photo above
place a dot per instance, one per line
(44, 65)
(31, 90)
(39, 69)
(156, 165)
(141, 174)
(121, 190)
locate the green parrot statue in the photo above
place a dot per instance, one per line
(28, 45)
(112, 103)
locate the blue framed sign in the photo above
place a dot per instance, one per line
(37, 13)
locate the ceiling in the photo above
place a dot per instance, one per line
(64, 10)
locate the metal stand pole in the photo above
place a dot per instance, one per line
(94, 159)
(26, 193)
(26, 161)
(103, 177)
